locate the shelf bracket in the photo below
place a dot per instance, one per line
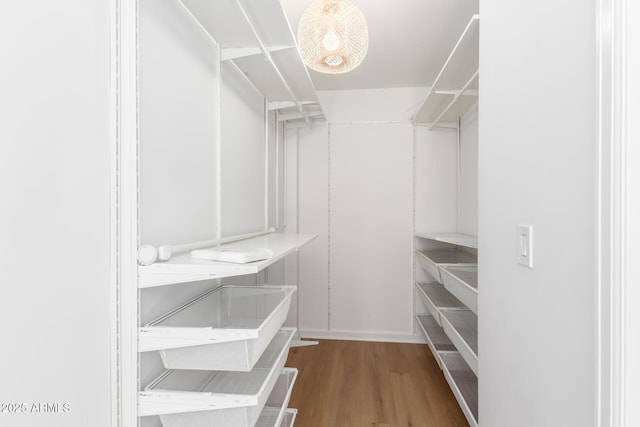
(241, 52)
(267, 56)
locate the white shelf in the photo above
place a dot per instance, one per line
(464, 384)
(274, 412)
(436, 298)
(435, 337)
(461, 326)
(183, 268)
(289, 418)
(226, 328)
(256, 37)
(433, 260)
(455, 89)
(188, 397)
(462, 282)
(465, 240)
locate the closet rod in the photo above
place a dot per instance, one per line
(207, 243)
(267, 56)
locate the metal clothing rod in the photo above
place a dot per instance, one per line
(198, 245)
(267, 56)
(379, 122)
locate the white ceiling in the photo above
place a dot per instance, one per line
(408, 41)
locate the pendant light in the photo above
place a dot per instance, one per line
(332, 36)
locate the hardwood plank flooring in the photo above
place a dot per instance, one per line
(358, 384)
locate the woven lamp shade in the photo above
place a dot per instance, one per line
(332, 36)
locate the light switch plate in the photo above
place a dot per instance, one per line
(525, 245)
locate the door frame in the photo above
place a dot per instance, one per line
(618, 382)
(124, 211)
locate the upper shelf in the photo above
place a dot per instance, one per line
(455, 89)
(255, 36)
(183, 268)
(453, 238)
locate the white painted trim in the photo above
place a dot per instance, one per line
(217, 118)
(127, 209)
(362, 336)
(267, 179)
(629, 157)
(113, 207)
(329, 226)
(618, 207)
(414, 165)
(278, 182)
(603, 279)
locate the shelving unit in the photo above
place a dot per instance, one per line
(255, 37)
(224, 351)
(463, 383)
(275, 410)
(183, 268)
(436, 298)
(224, 398)
(455, 89)
(461, 326)
(451, 238)
(226, 328)
(451, 328)
(462, 282)
(433, 260)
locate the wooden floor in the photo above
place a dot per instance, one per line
(357, 384)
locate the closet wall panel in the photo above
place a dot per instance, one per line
(371, 223)
(178, 154)
(243, 153)
(313, 218)
(436, 179)
(469, 173)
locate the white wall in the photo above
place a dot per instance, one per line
(307, 212)
(468, 197)
(371, 214)
(632, 273)
(178, 133)
(242, 153)
(55, 218)
(537, 166)
(436, 180)
(353, 183)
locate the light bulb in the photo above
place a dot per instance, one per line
(331, 41)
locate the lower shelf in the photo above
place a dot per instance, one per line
(274, 412)
(461, 326)
(463, 383)
(194, 397)
(433, 260)
(435, 297)
(270, 419)
(289, 418)
(436, 339)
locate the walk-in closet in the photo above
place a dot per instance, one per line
(319, 213)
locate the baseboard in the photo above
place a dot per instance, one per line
(362, 336)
